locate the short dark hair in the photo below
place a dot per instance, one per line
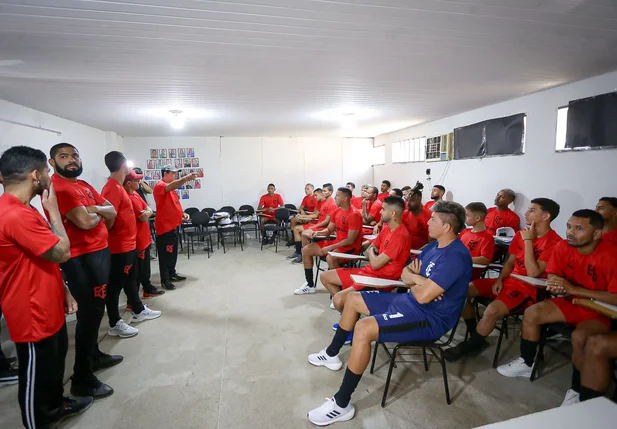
(318, 190)
(345, 191)
(328, 186)
(611, 200)
(56, 148)
(397, 192)
(114, 160)
(373, 189)
(451, 213)
(387, 182)
(353, 185)
(477, 208)
(595, 219)
(271, 184)
(19, 161)
(547, 205)
(406, 188)
(394, 200)
(440, 187)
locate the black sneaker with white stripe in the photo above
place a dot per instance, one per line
(330, 413)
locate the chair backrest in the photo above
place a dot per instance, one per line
(209, 210)
(282, 214)
(291, 206)
(191, 210)
(453, 330)
(200, 218)
(248, 209)
(228, 209)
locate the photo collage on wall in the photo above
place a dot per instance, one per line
(180, 158)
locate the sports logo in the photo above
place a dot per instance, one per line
(100, 291)
(142, 254)
(430, 266)
(127, 268)
(169, 248)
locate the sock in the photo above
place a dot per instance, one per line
(349, 384)
(576, 380)
(471, 324)
(299, 247)
(308, 273)
(338, 341)
(528, 351)
(586, 393)
(476, 339)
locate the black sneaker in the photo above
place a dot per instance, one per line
(8, 377)
(169, 286)
(177, 277)
(104, 360)
(298, 260)
(264, 241)
(148, 293)
(94, 388)
(464, 349)
(294, 256)
(71, 408)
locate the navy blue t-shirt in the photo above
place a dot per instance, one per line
(450, 268)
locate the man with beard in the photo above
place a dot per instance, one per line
(123, 249)
(86, 216)
(385, 191)
(436, 195)
(32, 292)
(607, 207)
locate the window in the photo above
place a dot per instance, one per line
(562, 127)
(412, 150)
(499, 136)
(379, 155)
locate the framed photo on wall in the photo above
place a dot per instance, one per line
(181, 152)
(172, 153)
(154, 153)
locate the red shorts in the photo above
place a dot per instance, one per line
(309, 225)
(345, 275)
(577, 314)
(516, 295)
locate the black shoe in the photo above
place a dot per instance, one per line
(177, 277)
(103, 360)
(71, 408)
(466, 348)
(169, 286)
(264, 241)
(96, 390)
(8, 377)
(153, 292)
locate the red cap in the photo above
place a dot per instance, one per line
(133, 176)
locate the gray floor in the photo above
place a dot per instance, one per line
(230, 352)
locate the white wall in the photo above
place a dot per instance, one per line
(238, 169)
(92, 143)
(574, 180)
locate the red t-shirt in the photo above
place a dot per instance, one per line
(357, 202)
(123, 235)
(309, 203)
(429, 204)
(542, 248)
(610, 236)
(326, 208)
(479, 244)
(417, 227)
(596, 271)
(496, 219)
(168, 209)
(345, 221)
(374, 209)
(270, 202)
(76, 194)
(31, 287)
(383, 196)
(396, 244)
(144, 238)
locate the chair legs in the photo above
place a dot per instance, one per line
(503, 330)
(445, 376)
(387, 386)
(539, 353)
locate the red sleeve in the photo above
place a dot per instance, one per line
(515, 243)
(487, 246)
(159, 188)
(355, 221)
(280, 201)
(261, 202)
(547, 251)
(304, 202)
(97, 197)
(113, 196)
(30, 232)
(139, 205)
(68, 199)
(377, 241)
(375, 210)
(557, 258)
(397, 245)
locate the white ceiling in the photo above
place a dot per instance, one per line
(266, 67)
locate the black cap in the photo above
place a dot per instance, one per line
(169, 169)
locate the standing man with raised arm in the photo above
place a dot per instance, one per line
(34, 298)
(169, 216)
(86, 216)
(501, 216)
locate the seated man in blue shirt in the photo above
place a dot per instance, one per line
(438, 280)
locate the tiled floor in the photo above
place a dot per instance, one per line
(230, 352)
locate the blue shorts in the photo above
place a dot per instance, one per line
(399, 319)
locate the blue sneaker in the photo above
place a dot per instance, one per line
(335, 327)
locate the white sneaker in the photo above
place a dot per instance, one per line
(122, 330)
(332, 305)
(322, 359)
(572, 397)
(146, 314)
(305, 289)
(516, 368)
(330, 413)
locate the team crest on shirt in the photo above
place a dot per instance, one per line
(428, 270)
(87, 191)
(591, 272)
(472, 245)
(498, 220)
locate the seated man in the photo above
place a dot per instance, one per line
(347, 223)
(371, 208)
(396, 192)
(387, 255)
(306, 209)
(437, 194)
(607, 207)
(324, 210)
(385, 190)
(355, 201)
(268, 203)
(597, 364)
(438, 282)
(477, 239)
(406, 190)
(583, 266)
(501, 216)
(530, 252)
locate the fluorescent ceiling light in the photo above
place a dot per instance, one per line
(188, 113)
(176, 119)
(342, 114)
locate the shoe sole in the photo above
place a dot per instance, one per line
(112, 334)
(9, 382)
(145, 318)
(304, 293)
(343, 418)
(330, 366)
(515, 375)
